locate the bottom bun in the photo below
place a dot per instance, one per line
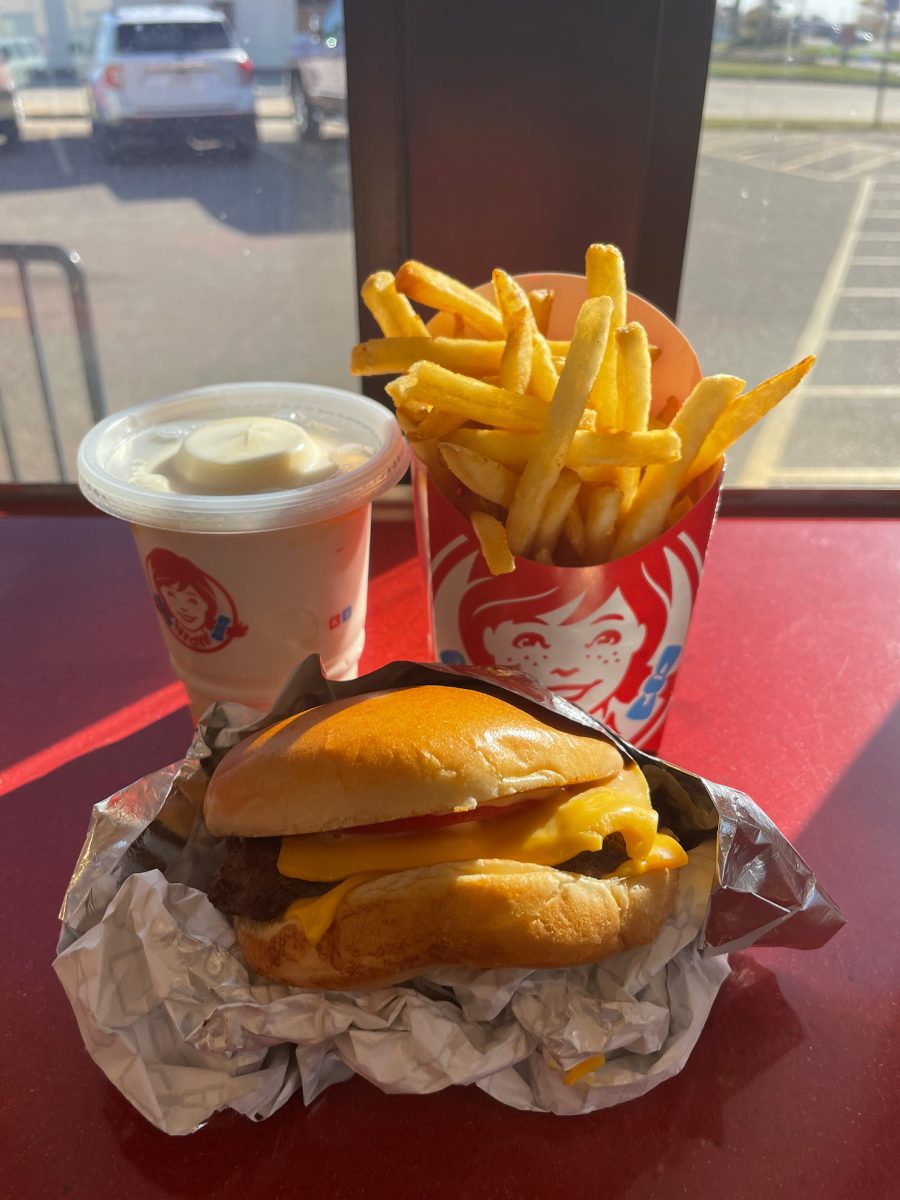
(485, 913)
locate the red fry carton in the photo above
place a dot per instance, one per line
(608, 638)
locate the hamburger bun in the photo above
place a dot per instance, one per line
(366, 760)
(485, 913)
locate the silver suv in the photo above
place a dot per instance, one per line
(170, 73)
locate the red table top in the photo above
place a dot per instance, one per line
(789, 690)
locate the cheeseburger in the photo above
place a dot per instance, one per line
(374, 838)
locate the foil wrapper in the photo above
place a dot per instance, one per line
(169, 1011)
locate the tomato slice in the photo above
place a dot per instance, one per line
(436, 820)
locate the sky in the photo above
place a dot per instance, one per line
(831, 10)
(835, 10)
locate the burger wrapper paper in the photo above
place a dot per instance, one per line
(170, 1012)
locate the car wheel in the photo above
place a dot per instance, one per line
(13, 134)
(306, 119)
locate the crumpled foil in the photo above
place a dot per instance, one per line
(169, 1011)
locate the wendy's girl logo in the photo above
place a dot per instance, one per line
(196, 608)
(606, 638)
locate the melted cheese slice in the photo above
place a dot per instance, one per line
(545, 832)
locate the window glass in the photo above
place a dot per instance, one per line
(181, 37)
(794, 245)
(208, 199)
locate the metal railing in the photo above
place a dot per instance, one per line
(23, 255)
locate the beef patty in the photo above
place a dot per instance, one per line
(249, 884)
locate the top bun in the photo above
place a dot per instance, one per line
(395, 754)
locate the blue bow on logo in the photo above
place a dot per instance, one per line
(222, 623)
(653, 685)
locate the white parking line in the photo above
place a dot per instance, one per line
(870, 475)
(887, 236)
(875, 260)
(868, 164)
(884, 214)
(867, 391)
(768, 147)
(823, 152)
(864, 335)
(761, 464)
(872, 293)
(59, 153)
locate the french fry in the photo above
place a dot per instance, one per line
(605, 270)
(560, 501)
(633, 391)
(395, 315)
(562, 419)
(573, 530)
(511, 301)
(436, 424)
(600, 514)
(541, 302)
(515, 365)
(389, 356)
(659, 486)
(632, 377)
(654, 353)
(510, 298)
(745, 411)
(544, 557)
(679, 509)
(492, 540)
(430, 384)
(440, 291)
(605, 474)
(588, 449)
(480, 475)
(428, 454)
(406, 421)
(469, 356)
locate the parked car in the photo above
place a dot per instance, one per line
(25, 60)
(170, 73)
(316, 75)
(10, 107)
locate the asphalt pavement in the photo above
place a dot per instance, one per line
(793, 102)
(204, 269)
(794, 249)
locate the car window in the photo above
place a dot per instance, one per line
(175, 37)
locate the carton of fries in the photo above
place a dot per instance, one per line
(608, 637)
(568, 462)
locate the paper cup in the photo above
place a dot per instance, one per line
(609, 638)
(247, 585)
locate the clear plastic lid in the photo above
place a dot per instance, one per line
(116, 459)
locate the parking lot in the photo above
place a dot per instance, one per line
(795, 249)
(204, 269)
